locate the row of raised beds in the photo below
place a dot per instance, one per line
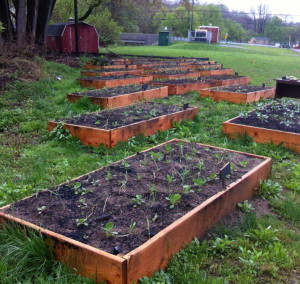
(126, 220)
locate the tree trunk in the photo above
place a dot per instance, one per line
(21, 21)
(44, 12)
(32, 13)
(8, 33)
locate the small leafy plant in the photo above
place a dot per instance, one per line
(138, 200)
(108, 229)
(245, 206)
(82, 222)
(174, 199)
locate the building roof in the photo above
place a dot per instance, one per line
(58, 29)
(260, 38)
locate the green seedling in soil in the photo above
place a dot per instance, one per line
(168, 148)
(131, 227)
(82, 222)
(109, 175)
(125, 165)
(243, 164)
(212, 176)
(174, 199)
(245, 206)
(233, 167)
(199, 182)
(123, 182)
(155, 217)
(108, 229)
(183, 175)
(152, 191)
(138, 200)
(219, 158)
(41, 209)
(170, 179)
(200, 166)
(82, 203)
(187, 188)
(156, 157)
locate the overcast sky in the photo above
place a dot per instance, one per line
(289, 7)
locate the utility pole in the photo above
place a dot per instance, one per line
(76, 28)
(192, 16)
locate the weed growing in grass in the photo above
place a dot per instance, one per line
(26, 258)
(245, 206)
(269, 189)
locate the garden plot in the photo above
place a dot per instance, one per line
(111, 126)
(122, 95)
(181, 86)
(238, 93)
(108, 72)
(277, 122)
(126, 220)
(113, 80)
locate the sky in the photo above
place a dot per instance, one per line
(289, 7)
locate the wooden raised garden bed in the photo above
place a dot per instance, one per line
(277, 122)
(215, 72)
(122, 95)
(121, 222)
(111, 126)
(225, 80)
(238, 93)
(113, 81)
(183, 85)
(103, 72)
(90, 66)
(173, 74)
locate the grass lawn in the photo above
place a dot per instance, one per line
(260, 248)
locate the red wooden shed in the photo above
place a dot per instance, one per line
(61, 37)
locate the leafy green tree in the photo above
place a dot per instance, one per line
(274, 30)
(108, 29)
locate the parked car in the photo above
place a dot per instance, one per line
(284, 45)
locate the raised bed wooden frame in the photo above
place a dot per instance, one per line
(90, 66)
(183, 88)
(238, 80)
(98, 84)
(263, 135)
(110, 137)
(96, 72)
(157, 251)
(124, 99)
(237, 98)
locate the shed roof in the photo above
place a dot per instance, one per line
(58, 29)
(260, 38)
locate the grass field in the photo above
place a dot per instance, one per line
(259, 249)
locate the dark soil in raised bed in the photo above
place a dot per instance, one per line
(241, 88)
(109, 70)
(111, 77)
(80, 209)
(185, 80)
(171, 72)
(113, 118)
(221, 77)
(279, 115)
(116, 91)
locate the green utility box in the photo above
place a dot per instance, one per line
(164, 38)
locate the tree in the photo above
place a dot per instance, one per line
(108, 29)
(31, 18)
(274, 30)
